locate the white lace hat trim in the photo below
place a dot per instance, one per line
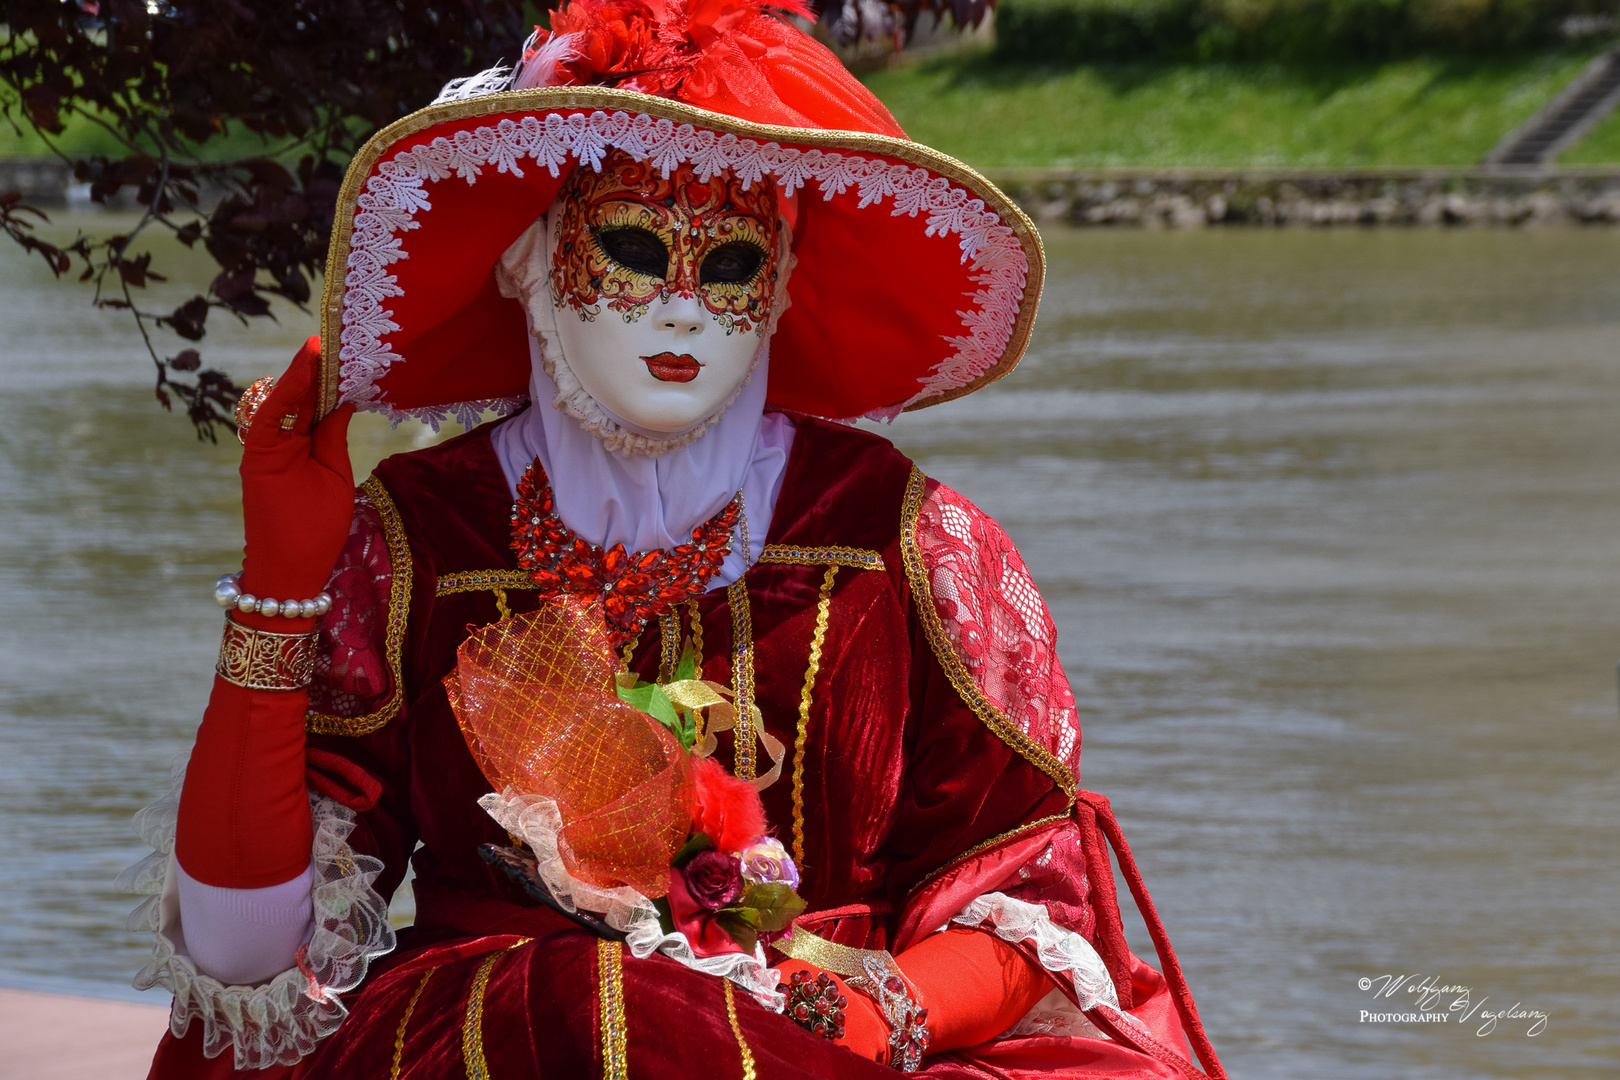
(400, 189)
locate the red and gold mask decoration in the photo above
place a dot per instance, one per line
(629, 237)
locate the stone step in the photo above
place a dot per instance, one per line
(1588, 98)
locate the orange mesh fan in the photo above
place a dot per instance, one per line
(535, 697)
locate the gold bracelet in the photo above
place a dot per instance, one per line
(262, 660)
(829, 955)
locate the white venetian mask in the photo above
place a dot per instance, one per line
(655, 296)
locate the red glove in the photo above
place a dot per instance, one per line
(866, 1032)
(244, 816)
(973, 984)
(297, 493)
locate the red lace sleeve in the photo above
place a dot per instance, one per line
(996, 627)
(990, 637)
(352, 677)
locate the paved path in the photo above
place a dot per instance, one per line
(57, 1037)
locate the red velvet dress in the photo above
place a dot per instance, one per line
(932, 758)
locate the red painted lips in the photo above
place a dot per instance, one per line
(667, 367)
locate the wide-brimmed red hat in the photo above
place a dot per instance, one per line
(916, 279)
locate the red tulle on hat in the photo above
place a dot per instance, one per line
(732, 56)
(915, 280)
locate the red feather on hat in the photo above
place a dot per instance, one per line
(654, 46)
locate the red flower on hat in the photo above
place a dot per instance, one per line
(655, 46)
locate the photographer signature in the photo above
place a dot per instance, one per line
(1427, 995)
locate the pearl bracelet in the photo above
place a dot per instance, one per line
(228, 594)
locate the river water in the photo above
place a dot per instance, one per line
(1328, 522)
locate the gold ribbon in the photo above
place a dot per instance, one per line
(831, 956)
(712, 701)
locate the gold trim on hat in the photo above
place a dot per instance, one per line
(578, 99)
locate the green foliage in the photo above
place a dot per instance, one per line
(651, 699)
(1081, 31)
(762, 909)
(1417, 111)
(742, 924)
(1601, 145)
(775, 904)
(695, 843)
(686, 669)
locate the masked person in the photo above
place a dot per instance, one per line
(673, 247)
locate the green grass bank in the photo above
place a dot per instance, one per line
(996, 113)
(1329, 114)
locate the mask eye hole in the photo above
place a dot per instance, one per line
(735, 263)
(636, 249)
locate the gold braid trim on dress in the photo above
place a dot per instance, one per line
(695, 617)
(951, 661)
(669, 644)
(736, 1029)
(399, 1037)
(811, 671)
(742, 677)
(985, 845)
(472, 1026)
(479, 580)
(399, 614)
(493, 581)
(611, 1018)
(799, 555)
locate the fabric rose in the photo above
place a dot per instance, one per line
(700, 925)
(766, 861)
(714, 879)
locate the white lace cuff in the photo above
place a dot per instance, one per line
(281, 1020)
(1058, 951)
(536, 820)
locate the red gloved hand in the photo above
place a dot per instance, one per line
(973, 984)
(866, 1032)
(297, 493)
(244, 815)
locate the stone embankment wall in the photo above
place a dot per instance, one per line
(1195, 199)
(42, 181)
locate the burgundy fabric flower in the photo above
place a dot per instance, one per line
(714, 879)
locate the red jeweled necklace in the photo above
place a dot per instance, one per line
(634, 586)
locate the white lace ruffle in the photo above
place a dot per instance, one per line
(1058, 950)
(279, 1021)
(536, 820)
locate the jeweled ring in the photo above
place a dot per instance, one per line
(248, 404)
